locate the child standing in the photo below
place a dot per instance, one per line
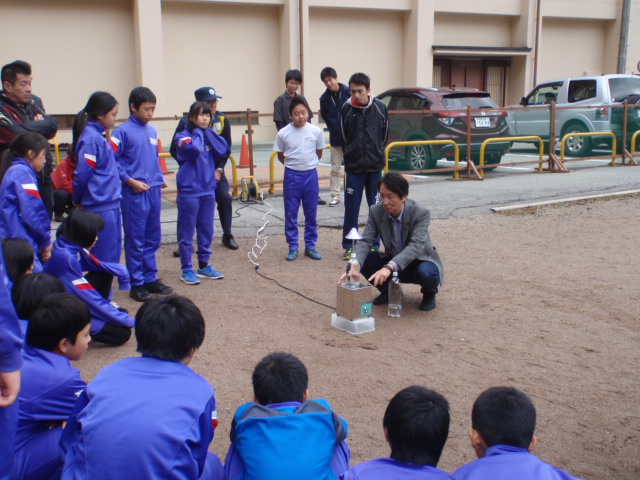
(283, 434)
(135, 143)
(503, 422)
(148, 417)
(96, 186)
(58, 334)
(299, 146)
(22, 211)
(198, 148)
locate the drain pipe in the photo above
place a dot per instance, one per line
(300, 19)
(537, 43)
(624, 36)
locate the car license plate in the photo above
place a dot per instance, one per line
(483, 122)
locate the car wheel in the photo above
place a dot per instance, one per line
(418, 157)
(577, 146)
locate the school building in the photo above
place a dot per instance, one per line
(243, 47)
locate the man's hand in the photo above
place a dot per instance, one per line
(38, 117)
(137, 186)
(380, 277)
(9, 387)
(45, 253)
(218, 175)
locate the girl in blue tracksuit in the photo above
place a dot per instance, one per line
(22, 212)
(70, 257)
(96, 186)
(198, 148)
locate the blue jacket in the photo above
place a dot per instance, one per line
(390, 469)
(65, 264)
(141, 418)
(197, 154)
(11, 337)
(504, 462)
(287, 440)
(22, 212)
(219, 124)
(136, 147)
(330, 111)
(96, 185)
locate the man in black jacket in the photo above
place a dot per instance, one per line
(20, 112)
(365, 126)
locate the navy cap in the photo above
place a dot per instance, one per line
(206, 94)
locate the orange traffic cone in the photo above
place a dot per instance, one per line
(244, 153)
(161, 160)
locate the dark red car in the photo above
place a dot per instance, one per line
(443, 116)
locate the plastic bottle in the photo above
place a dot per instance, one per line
(353, 270)
(395, 296)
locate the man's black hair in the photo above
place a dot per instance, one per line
(140, 95)
(59, 316)
(199, 108)
(293, 75)
(169, 327)
(28, 292)
(417, 424)
(504, 416)
(280, 377)
(395, 182)
(11, 70)
(18, 257)
(360, 79)
(295, 101)
(328, 72)
(81, 227)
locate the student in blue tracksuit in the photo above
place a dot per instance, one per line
(58, 334)
(284, 434)
(28, 292)
(11, 340)
(416, 426)
(135, 144)
(22, 212)
(148, 417)
(96, 186)
(198, 148)
(70, 258)
(18, 258)
(503, 422)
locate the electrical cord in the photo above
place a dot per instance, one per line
(293, 291)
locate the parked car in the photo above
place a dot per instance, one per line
(443, 116)
(532, 115)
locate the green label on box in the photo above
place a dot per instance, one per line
(366, 309)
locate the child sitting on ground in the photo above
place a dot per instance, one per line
(18, 258)
(148, 417)
(299, 146)
(416, 426)
(58, 333)
(503, 421)
(283, 434)
(27, 295)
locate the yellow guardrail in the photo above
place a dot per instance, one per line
(633, 142)
(511, 139)
(614, 142)
(423, 142)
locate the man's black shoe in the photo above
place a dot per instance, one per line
(381, 299)
(428, 302)
(139, 294)
(229, 242)
(176, 253)
(321, 201)
(158, 288)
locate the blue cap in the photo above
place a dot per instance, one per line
(206, 94)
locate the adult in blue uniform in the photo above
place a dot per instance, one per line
(135, 144)
(11, 341)
(96, 186)
(416, 426)
(58, 334)
(70, 258)
(22, 212)
(503, 422)
(219, 124)
(148, 417)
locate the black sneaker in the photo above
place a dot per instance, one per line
(158, 288)
(321, 201)
(139, 294)
(381, 299)
(428, 302)
(176, 253)
(229, 242)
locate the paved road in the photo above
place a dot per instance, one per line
(444, 196)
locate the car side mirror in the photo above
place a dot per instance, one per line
(523, 101)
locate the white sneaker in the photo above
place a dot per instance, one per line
(334, 202)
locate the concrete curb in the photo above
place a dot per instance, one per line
(564, 200)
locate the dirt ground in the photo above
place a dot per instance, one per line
(545, 301)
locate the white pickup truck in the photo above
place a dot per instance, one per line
(532, 115)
